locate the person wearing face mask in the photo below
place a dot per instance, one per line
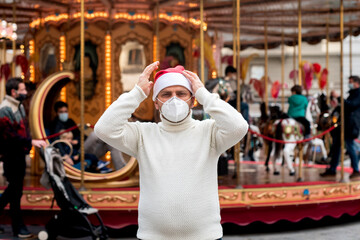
(62, 121)
(351, 127)
(178, 156)
(230, 77)
(15, 144)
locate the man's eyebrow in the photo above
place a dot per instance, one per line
(181, 91)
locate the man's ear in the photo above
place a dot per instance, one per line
(192, 102)
(156, 104)
(13, 93)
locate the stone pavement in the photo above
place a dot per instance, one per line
(344, 228)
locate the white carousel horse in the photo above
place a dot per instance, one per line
(287, 129)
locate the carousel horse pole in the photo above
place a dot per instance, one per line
(300, 77)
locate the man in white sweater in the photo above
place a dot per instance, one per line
(178, 156)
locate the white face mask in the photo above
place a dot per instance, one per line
(175, 109)
(63, 117)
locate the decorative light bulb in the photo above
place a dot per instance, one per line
(14, 26)
(3, 24)
(14, 36)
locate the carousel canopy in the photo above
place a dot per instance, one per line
(280, 16)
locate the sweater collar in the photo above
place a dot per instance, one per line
(12, 100)
(171, 126)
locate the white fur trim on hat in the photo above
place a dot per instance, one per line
(170, 79)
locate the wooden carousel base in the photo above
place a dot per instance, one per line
(256, 195)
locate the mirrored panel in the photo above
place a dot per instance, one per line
(132, 63)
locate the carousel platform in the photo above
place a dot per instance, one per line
(256, 195)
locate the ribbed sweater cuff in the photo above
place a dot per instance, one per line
(202, 94)
(138, 93)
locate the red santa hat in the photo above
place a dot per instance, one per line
(170, 77)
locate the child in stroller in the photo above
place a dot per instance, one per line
(92, 163)
(72, 220)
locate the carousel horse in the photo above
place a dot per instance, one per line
(287, 129)
(281, 127)
(266, 124)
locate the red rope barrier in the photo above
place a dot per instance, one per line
(282, 141)
(59, 133)
(66, 130)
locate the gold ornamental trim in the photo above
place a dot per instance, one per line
(335, 191)
(108, 198)
(356, 189)
(301, 193)
(231, 197)
(267, 195)
(31, 199)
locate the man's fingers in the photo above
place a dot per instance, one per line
(187, 75)
(191, 76)
(150, 68)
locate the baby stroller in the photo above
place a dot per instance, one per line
(72, 220)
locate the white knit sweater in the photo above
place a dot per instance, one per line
(177, 163)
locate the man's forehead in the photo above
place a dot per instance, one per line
(22, 86)
(63, 109)
(176, 88)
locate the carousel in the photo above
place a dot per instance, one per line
(86, 53)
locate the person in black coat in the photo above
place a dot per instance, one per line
(351, 127)
(62, 121)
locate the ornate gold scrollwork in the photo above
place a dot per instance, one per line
(335, 191)
(112, 199)
(46, 198)
(267, 195)
(356, 188)
(300, 193)
(232, 197)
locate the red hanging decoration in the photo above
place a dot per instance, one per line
(307, 75)
(259, 85)
(323, 78)
(293, 74)
(316, 67)
(23, 62)
(275, 89)
(5, 71)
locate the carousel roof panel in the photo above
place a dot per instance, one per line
(278, 16)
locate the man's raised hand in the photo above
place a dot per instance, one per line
(194, 79)
(144, 82)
